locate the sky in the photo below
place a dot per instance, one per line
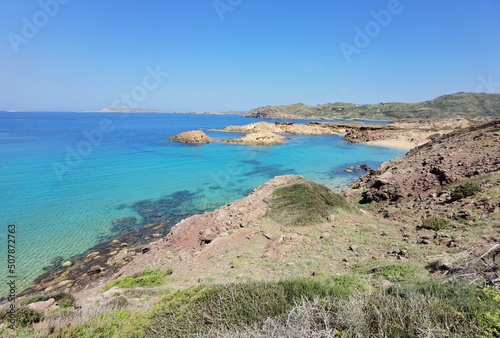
(235, 55)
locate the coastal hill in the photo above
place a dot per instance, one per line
(447, 106)
(407, 250)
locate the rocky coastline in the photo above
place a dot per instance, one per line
(240, 241)
(405, 134)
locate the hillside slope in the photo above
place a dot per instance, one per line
(446, 106)
(447, 189)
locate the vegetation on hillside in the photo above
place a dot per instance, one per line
(447, 106)
(146, 279)
(344, 306)
(304, 203)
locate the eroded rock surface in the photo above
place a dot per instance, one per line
(258, 138)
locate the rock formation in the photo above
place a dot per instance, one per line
(258, 138)
(193, 137)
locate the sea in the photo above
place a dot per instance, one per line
(71, 180)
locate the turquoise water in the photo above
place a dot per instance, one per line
(64, 177)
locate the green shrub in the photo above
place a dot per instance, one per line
(304, 203)
(435, 223)
(346, 285)
(65, 300)
(197, 309)
(307, 307)
(26, 316)
(146, 279)
(461, 308)
(489, 318)
(464, 190)
(430, 309)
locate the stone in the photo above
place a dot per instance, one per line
(207, 236)
(63, 283)
(259, 138)
(67, 264)
(43, 305)
(385, 284)
(192, 137)
(91, 256)
(324, 235)
(95, 270)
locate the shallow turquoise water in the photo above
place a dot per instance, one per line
(63, 188)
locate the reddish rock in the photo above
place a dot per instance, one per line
(193, 137)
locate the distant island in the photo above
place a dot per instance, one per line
(147, 110)
(461, 104)
(129, 110)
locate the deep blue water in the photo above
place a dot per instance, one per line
(64, 177)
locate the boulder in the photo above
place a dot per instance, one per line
(193, 137)
(67, 264)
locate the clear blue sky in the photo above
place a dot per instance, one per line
(264, 52)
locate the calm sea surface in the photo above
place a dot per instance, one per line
(65, 178)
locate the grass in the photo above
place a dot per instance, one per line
(304, 203)
(147, 279)
(118, 323)
(197, 309)
(394, 271)
(343, 306)
(428, 310)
